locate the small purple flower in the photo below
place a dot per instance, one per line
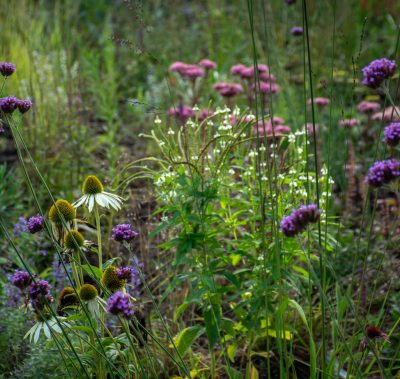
(296, 30)
(21, 279)
(320, 101)
(265, 88)
(349, 122)
(21, 226)
(24, 105)
(123, 232)
(392, 134)
(299, 219)
(237, 69)
(124, 273)
(8, 104)
(368, 107)
(228, 89)
(38, 289)
(290, 2)
(183, 112)
(191, 71)
(7, 68)
(119, 304)
(39, 294)
(35, 224)
(208, 64)
(378, 71)
(2, 130)
(383, 172)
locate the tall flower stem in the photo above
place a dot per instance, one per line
(98, 229)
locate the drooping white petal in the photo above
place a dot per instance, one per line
(119, 198)
(99, 199)
(91, 203)
(114, 203)
(80, 201)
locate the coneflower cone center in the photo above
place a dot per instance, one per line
(88, 292)
(92, 185)
(73, 240)
(65, 208)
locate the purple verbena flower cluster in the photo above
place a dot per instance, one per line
(10, 103)
(7, 68)
(21, 279)
(299, 219)
(35, 224)
(119, 304)
(378, 71)
(123, 232)
(39, 294)
(392, 134)
(124, 273)
(383, 172)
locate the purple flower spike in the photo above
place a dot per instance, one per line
(290, 2)
(119, 304)
(21, 279)
(378, 71)
(8, 104)
(7, 68)
(392, 134)
(24, 105)
(123, 232)
(383, 172)
(299, 219)
(124, 273)
(35, 224)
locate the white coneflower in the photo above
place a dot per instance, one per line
(89, 295)
(93, 193)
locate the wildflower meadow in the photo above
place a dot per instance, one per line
(199, 189)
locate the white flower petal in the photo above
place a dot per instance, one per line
(99, 199)
(79, 202)
(91, 203)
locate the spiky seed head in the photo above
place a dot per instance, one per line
(67, 297)
(92, 185)
(111, 280)
(65, 208)
(73, 240)
(88, 292)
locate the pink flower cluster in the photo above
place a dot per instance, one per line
(192, 71)
(274, 127)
